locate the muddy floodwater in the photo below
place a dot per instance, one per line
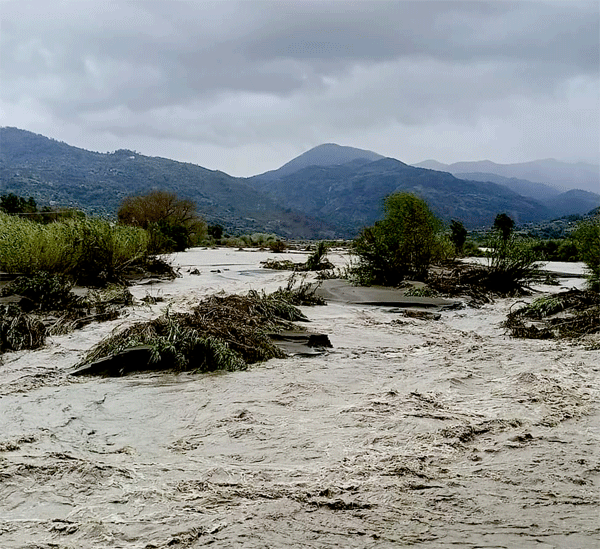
(408, 432)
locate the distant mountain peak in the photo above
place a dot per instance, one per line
(326, 154)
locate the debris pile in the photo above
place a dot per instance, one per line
(570, 314)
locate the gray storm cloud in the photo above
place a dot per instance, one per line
(208, 81)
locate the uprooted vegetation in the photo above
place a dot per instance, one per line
(33, 308)
(317, 261)
(570, 314)
(479, 282)
(221, 333)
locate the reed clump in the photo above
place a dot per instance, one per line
(91, 251)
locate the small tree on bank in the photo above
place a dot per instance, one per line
(587, 240)
(172, 222)
(401, 245)
(458, 236)
(504, 224)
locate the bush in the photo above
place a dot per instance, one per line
(587, 240)
(401, 245)
(277, 247)
(315, 260)
(512, 263)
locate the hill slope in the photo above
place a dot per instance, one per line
(538, 191)
(51, 171)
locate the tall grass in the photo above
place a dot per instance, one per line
(89, 249)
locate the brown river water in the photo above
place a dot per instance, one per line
(407, 433)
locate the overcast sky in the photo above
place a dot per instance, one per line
(244, 87)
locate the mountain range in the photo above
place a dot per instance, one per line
(562, 176)
(329, 191)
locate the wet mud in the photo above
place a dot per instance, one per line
(407, 432)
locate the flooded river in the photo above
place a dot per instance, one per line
(408, 432)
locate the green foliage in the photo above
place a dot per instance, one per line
(277, 247)
(49, 292)
(471, 249)
(254, 240)
(215, 231)
(401, 245)
(12, 204)
(423, 291)
(587, 239)
(315, 259)
(504, 225)
(90, 251)
(458, 235)
(512, 263)
(557, 250)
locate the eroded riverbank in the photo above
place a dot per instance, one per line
(407, 432)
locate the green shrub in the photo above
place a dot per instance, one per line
(587, 239)
(315, 259)
(401, 245)
(512, 262)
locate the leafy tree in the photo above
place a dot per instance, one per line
(458, 235)
(400, 245)
(172, 222)
(587, 239)
(215, 231)
(504, 224)
(12, 204)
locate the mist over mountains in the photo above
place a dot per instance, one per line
(561, 176)
(330, 191)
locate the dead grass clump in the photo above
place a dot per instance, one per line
(570, 314)
(19, 331)
(46, 300)
(462, 280)
(283, 265)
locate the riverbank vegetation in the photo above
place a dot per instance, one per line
(91, 251)
(35, 307)
(410, 243)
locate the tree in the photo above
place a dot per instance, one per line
(587, 239)
(172, 222)
(12, 204)
(504, 224)
(400, 245)
(458, 235)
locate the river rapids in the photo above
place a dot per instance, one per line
(407, 433)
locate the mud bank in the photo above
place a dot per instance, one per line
(406, 433)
